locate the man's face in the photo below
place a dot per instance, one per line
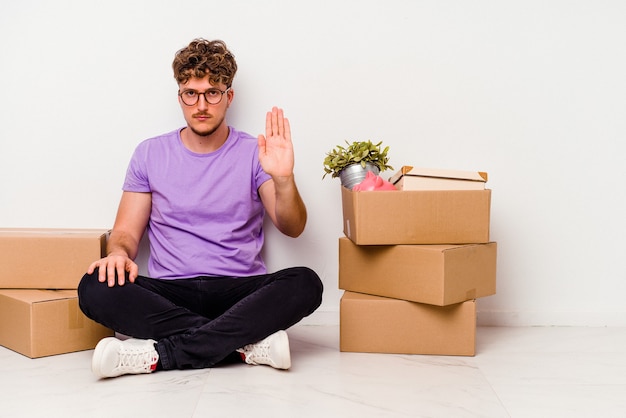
(203, 118)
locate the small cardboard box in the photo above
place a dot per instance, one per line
(48, 258)
(434, 274)
(409, 178)
(373, 324)
(416, 216)
(38, 323)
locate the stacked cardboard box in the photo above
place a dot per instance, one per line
(412, 264)
(39, 273)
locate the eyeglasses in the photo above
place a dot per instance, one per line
(211, 96)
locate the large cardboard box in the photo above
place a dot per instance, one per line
(416, 216)
(40, 323)
(434, 274)
(48, 258)
(373, 324)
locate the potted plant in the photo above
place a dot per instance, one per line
(351, 163)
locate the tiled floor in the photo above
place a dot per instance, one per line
(518, 372)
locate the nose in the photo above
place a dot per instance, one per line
(202, 103)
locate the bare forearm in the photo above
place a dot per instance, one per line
(291, 215)
(121, 243)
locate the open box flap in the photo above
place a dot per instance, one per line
(440, 173)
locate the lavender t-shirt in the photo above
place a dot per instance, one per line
(206, 217)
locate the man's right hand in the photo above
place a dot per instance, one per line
(112, 265)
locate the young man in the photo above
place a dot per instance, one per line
(201, 193)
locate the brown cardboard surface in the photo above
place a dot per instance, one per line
(38, 323)
(410, 178)
(373, 324)
(434, 274)
(416, 217)
(436, 183)
(48, 258)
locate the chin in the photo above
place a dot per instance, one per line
(203, 132)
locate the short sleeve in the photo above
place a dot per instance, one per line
(137, 174)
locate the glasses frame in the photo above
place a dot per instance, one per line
(203, 93)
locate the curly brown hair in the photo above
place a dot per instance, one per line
(203, 58)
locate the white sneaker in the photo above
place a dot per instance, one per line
(113, 357)
(272, 351)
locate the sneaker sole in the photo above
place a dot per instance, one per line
(96, 360)
(286, 357)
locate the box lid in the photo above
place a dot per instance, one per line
(408, 170)
(51, 232)
(38, 295)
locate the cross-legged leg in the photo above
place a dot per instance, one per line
(198, 322)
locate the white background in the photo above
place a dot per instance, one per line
(533, 92)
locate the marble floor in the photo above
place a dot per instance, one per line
(517, 372)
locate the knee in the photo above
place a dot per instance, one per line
(88, 289)
(309, 285)
(86, 283)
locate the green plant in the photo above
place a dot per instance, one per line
(356, 152)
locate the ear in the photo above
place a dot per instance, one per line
(230, 95)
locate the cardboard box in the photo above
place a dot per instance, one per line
(40, 323)
(373, 324)
(48, 258)
(410, 178)
(434, 274)
(416, 216)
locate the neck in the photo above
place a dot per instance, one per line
(204, 143)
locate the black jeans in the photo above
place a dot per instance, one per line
(198, 322)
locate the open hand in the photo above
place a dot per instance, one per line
(275, 147)
(115, 267)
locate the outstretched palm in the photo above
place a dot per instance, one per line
(275, 147)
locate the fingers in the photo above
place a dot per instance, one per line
(287, 130)
(261, 144)
(120, 269)
(276, 124)
(278, 121)
(110, 272)
(133, 272)
(113, 269)
(92, 267)
(268, 125)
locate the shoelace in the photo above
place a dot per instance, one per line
(133, 358)
(258, 351)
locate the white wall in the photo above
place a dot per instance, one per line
(531, 91)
